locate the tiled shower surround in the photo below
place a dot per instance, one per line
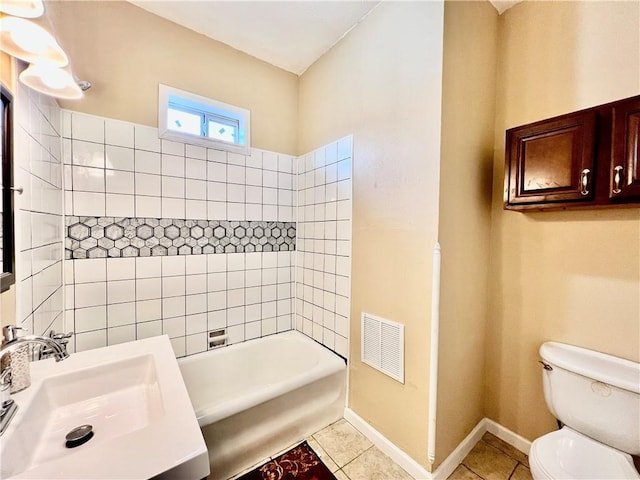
(323, 263)
(170, 238)
(38, 212)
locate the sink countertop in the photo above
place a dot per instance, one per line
(168, 442)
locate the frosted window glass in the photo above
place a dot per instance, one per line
(221, 131)
(184, 122)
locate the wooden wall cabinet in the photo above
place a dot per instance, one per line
(584, 159)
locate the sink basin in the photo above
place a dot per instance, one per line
(132, 395)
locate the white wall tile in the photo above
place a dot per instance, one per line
(216, 191)
(119, 133)
(146, 138)
(87, 154)
(254, 176)
(148, 288)
(147, 310)
(195, 189)
(173, 187)
(195, 168)
(119, 158)
(253, 212)
(121, 291)
(196, 209)
(119, 182)
(147, 184)
(270, 160)
(253, 330)
(173, 148)
(269, 326)
(148, 329)
(196, 343)
(173, 286)
(174, 327)
(173, 165)
(126, 333)
(91, 318)
(90, 270)
(150, 207)
(236, 211)
(194, 151)
(147, 162)
(91, 340)
(87, 127)
(121, 314)
(196, 323)
(88, 179)
(118, 205)
(216, 320)
(148, 267)
(179, 346)
(90, 294)
(173, 307)
(173, 208)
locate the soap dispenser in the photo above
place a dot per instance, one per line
(18, 361)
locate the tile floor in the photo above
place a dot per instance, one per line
(493, 459)
(351, 456)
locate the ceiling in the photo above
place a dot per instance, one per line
(290, 34)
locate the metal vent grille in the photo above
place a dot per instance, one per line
(383, 345)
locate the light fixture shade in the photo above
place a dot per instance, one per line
(28, 41)
(22, 8)
(52, 81)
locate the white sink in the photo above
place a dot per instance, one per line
(134, 397)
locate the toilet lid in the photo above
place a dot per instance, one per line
(567, 454)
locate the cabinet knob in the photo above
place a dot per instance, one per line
(617, 179)
(584, 181)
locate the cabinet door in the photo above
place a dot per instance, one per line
(625, 151)
(552, 161)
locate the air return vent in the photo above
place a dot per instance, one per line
(383, 345)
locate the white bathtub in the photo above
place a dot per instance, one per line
(256, 398)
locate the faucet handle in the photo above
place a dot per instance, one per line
(5, 385)
(10, 332)
(6, 372)
(60, 336)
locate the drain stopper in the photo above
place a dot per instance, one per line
(79, 436)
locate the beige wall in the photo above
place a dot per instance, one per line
(468, 112)
(126, 51)
(570, 276)
(382, 83)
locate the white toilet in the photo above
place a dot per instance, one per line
(597, 398)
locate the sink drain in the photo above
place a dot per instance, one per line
(79, 436)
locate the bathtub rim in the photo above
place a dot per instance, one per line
(330, 364)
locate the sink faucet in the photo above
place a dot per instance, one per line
(11, 343)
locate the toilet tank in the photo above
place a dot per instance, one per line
(594, 393)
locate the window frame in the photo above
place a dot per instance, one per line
(170, 98)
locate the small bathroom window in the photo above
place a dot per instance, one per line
(191, 118)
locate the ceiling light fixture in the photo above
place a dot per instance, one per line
(29, 41)
(53, 81)
(22, 8)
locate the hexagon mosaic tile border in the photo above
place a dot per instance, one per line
(113, 237)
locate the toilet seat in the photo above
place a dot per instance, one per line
(567, 454)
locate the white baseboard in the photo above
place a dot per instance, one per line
(387, 447)
(454, 459)
(450, 463)
(512, 438)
